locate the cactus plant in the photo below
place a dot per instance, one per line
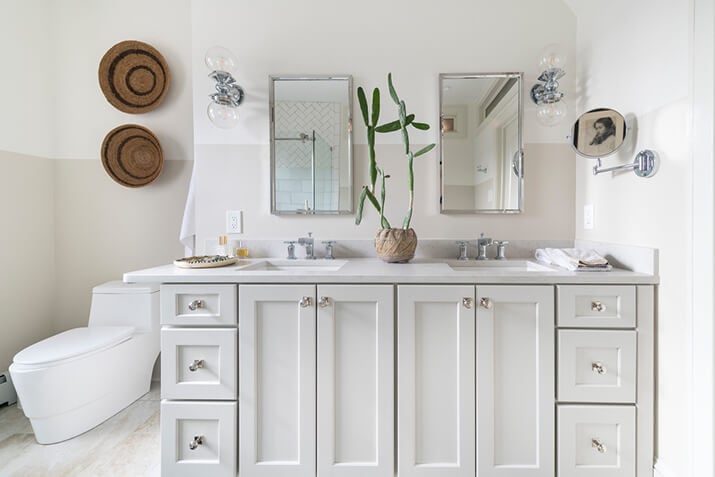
(401, 124)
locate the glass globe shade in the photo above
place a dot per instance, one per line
(552, 56)
(222, 116)
(219, 58)
(551, 114)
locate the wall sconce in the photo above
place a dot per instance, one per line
(551, 109)
(223, 108)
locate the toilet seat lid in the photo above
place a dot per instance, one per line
(72, 343)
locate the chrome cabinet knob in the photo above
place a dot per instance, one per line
(598, 444)
(468, 302)
(196, 442)
(306, 301)
(323, 302)
(485, 303)
(196, 304)
(598, 367)
(598, 306)
(197, 363)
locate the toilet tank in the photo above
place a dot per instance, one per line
(125, 304)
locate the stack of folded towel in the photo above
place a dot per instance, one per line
(573, 259)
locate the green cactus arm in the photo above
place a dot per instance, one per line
(375, 106)
(366, 194)
(422, 126)
(425, 150)
(394, 125)
(391, 86)
(373, 161)
(411, 189)
(382, 195)
(363, 105)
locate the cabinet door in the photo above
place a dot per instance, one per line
(435, 381)
(355, 380)
(515, 381)
(276, 379)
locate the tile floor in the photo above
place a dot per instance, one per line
(125, 445)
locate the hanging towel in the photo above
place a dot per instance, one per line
(187, 235)
(572, 259)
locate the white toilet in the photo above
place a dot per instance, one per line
(73, 381)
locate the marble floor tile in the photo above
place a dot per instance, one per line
(125, 445)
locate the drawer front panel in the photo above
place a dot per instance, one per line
(198, 438)
(597, 366)
(597, 441)
(608, 306)
(198, 363)
(202, 305)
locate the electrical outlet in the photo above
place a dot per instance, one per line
(588, 217)
(234, 221)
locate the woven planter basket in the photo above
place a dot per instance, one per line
(396, 245)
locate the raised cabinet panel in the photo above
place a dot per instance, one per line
(435, 381)
(515, 381)
(276, 380)
(355, 380)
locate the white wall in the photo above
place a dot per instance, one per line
(413, 40)
(637, 74)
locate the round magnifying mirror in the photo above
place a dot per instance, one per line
(599, 132)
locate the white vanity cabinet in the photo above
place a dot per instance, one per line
(316, 380)
(515, 381)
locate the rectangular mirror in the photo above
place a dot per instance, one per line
(311, 145)
(481, 160)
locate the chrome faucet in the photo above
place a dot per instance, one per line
(462, 250)
(329, 249)
(308, 242)
(482, 244)
(501, 247)
(291, 249)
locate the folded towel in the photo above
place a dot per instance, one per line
(572, 259)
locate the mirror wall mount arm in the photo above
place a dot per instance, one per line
(644, 165)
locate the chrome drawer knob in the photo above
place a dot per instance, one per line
(598, 306)
(323, 302)
(485, 303)
(196, 304)
(198, 363)
(468, 302)
(598, 444)
(598, 367)
(196, 442)
(306, 301)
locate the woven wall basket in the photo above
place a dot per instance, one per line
(132, 155)
(134, 77)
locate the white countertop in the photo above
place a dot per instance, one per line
(371, 270)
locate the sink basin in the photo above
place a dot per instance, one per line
(284, 265)
(497, 266)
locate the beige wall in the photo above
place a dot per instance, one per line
(635, 74)
(27, 241)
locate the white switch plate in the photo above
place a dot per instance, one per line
(588, 217)
(234, 221)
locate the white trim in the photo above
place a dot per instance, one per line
(660, 470)
(702, 414)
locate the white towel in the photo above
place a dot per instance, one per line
(572, 258)
(187, 235)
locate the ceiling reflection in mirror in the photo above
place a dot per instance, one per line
(481, 143)
(311, 145)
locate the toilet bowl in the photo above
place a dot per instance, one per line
(75, 380)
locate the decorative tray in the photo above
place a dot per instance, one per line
(205, 261)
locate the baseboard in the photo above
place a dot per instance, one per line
(661, 470)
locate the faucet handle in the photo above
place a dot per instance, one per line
(329, 244)
(462, 249)
(291, 249)
(501, 247)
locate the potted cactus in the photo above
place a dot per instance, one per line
(395, 245)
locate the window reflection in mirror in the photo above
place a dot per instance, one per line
(481, 160)
(311, 145)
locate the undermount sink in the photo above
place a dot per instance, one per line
(285, 265)
(497, 266)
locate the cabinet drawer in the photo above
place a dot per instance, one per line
(596, 441)
(609, 306)
(198, 363)
(198, 438)
(597, 366)
(203, 305)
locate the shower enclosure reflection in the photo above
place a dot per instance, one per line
(311, 157)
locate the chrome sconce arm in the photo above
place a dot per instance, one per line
(549, 91)
(223, 108)
(551, 109)
(645, 165)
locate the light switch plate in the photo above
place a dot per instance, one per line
(234, 221)
(588, 216)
